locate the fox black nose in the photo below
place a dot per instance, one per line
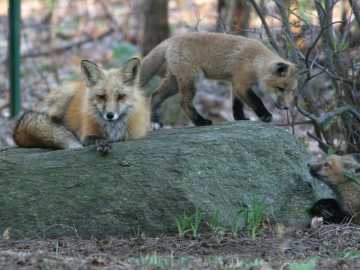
(313, 171)
(110, 116)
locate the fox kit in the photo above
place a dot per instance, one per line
(107, 106)
(330, 211)
(242, 61)
(341, 174)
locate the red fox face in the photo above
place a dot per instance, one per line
(333, 169)
(111, 92)
(280, 80)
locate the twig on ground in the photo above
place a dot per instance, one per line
(293, 124)
(72, 228)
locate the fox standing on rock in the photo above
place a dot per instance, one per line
(106, 107)
(240, 60)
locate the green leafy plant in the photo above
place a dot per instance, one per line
(351, 254)
(124, 51)
(331, 151)
(183, 225)
(309, 265)
(253, 215)
(237, 223)
(215, 224)
(352, 176)
(190, 223)
(196, 221)
(158, 262)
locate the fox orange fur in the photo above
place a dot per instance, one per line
(342, 174)
(242, 61)
(106, 106)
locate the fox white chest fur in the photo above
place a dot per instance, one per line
(116, 130)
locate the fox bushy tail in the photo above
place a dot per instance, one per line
(152, 63)
(35, 129)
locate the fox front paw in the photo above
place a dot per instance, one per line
(103, 147)
(266, 118)
(156, 125)
(316, 222)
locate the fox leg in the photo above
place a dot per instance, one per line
(167, 88)
(35, 129)
(258, 106)
(187, 91)
(103, 146)
(250, 98)
(238, 110)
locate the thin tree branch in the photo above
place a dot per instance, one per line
(295, 124)
(68, 46)
(323, 146)
(4, 105)
(267, 29)
(329, 115)
(287, 29)
(313, 45)
(356, 9)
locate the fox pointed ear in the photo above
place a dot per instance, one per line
(91, 73)
(280, 69)
(130, 69)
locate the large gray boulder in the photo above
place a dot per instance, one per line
(145, 184)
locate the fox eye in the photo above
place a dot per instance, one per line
(121, 96)
(281, 89)
(101, 97)
(327, 165)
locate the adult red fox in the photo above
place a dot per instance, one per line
(106, 106)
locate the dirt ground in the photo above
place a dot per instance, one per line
(329, 247)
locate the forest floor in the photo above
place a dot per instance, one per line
(329, 247)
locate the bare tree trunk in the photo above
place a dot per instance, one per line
(155, 26)
(134, 22)
(283, 7)
(220, 23)
(234, 16)
(356, 9)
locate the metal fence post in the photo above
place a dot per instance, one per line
(14, 55)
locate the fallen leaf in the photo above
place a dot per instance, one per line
(6, 234)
